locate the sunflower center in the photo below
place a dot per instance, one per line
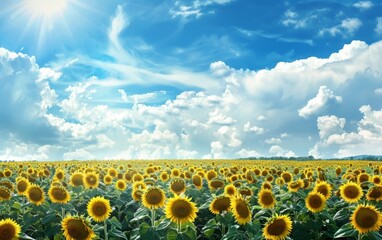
(77, 229)
(323, 190)
(267, 198)
(35, 194)
(22, 186)
(154, 197)
(375, 193)
(217, 184)
(222, 204)
(7, 232)
(59, 194)
(351, 192)
(91, 180)
(315, 201)
(197, 181)
(181, 209)
(366, 218)
(242, 209)
(277, 227)
(99, 209)
(177, 186)
(230, 191)
(121, 185)
(4, 193)
(77, 180)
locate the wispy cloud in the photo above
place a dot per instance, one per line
(347, 27)
(278, 37)
(195, 8)
(378, 27)
(363, 5)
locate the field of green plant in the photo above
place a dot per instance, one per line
(198, 199)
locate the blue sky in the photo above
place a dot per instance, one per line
(189, 79)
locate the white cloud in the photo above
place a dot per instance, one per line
(255, 129)
(273, 141)
(25, 96)
(316, 104)
(123, 95)
(378, 27)
(276, 150)
(329, 125)
(363, 5)
(347, 27)
(78, 154)
(367, 139)
(195, 9)
(244, 153)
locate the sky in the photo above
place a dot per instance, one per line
(189, 79)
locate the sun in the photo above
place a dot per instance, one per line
(45, 8)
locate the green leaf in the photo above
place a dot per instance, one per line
(116, 233)
(163, 224)
(232, 233)
(372, 236)
(345, 231)
(141, 213)
(114, 222)
(23, 236)
(342, 214)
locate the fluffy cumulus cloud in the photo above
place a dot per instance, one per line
(25, 96)
(366, 139)
(347, 28)
(363, 5)
(250, 114)
(314, 105)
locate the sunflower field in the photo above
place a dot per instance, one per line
(193, 199)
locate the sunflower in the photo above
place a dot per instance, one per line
(139, 185)
(178, 186)
(363, 177)
(266, 185)
(120, 185)
(351, 192)
(22, 185)
(153, 198)
(197, 181)
(240, 210)
(287, 176)
(374, 194)
(366, 218)
(76, 228)
(35, 194)
(76, 179)
(9, 229)
(58, 194)
(91, 180)
(324, 188)
(112, 172)
(266, 198)
(137, 194)
(216, 183)
(164, 176)
(220, 204)
(294, 186)
(278, 228)
(5, 194)
(376, 180)
(180, 209)
(107, 179)
(315, 202)
(60, 174)
(99, 209)
(211, 175)
(230, 190)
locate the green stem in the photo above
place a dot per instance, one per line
(223, 229)
(359, 236)
(63, 212)
(179, 227)
(105, 229)
(152, 217)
